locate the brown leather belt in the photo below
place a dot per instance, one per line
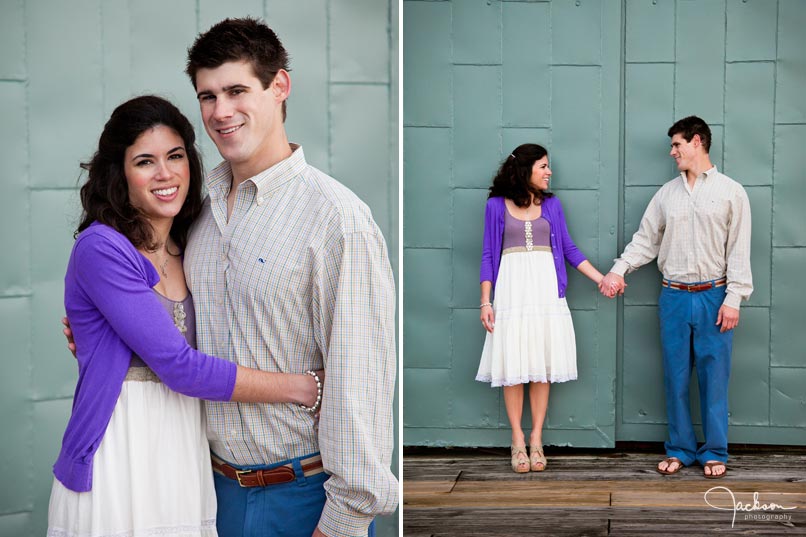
(695, 287)
(262, 478)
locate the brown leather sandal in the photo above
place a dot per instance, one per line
(710, 465)
(520, 461)
(669, 461)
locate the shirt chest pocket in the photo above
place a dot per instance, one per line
(266, 273)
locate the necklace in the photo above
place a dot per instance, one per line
(157, 260)
(161, 264)
(164, 267)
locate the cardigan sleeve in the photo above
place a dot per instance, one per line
(486, 271)
(113, 282)
(571, 253)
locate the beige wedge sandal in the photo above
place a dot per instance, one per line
(520, 461)
(537, 458)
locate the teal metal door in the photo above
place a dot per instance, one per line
(481, 78)
(599, 82)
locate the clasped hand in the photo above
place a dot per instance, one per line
(611, 285)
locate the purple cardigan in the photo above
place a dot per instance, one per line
(560, 241)
(113, 312)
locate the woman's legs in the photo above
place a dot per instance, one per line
(513, 400)
(539, 402)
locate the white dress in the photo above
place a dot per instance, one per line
(533, 338)
(151, 473)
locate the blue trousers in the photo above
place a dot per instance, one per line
(289, 509)
(691, 338)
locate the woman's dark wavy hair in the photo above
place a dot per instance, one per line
(513, 179)
(105, 195)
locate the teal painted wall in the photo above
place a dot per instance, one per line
(599, 82)
(63, 67)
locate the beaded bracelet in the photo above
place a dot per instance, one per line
(318, 404)
(486, 304)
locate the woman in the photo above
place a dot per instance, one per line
(134, 458)
(530, 335)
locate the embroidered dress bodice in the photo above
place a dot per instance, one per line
(184, 317)
(526, 235)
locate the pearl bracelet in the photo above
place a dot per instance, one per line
(318, 404)
(486, 304)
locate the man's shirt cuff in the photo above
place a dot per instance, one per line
(732, 300)
(339, 521)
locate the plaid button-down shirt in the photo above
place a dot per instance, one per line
(298, 279)
(697, 234)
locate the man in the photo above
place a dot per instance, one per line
(289, 273)
(698, 226)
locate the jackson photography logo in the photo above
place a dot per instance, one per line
(723, 499)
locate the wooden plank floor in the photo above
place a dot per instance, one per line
(474, 493)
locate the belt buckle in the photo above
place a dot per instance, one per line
(239, 473)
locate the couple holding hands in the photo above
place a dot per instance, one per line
(697, 225)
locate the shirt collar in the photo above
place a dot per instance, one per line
(220, 178)
(705, 175)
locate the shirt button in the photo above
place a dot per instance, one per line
(260, 199)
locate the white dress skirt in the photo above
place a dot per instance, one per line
(533, 338)
(151, 474)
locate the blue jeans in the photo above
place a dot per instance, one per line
(289, 509)
(691, 338)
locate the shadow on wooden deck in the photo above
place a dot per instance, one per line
(601, 492)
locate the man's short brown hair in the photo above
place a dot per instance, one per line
(234, 40)
(689, 126)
